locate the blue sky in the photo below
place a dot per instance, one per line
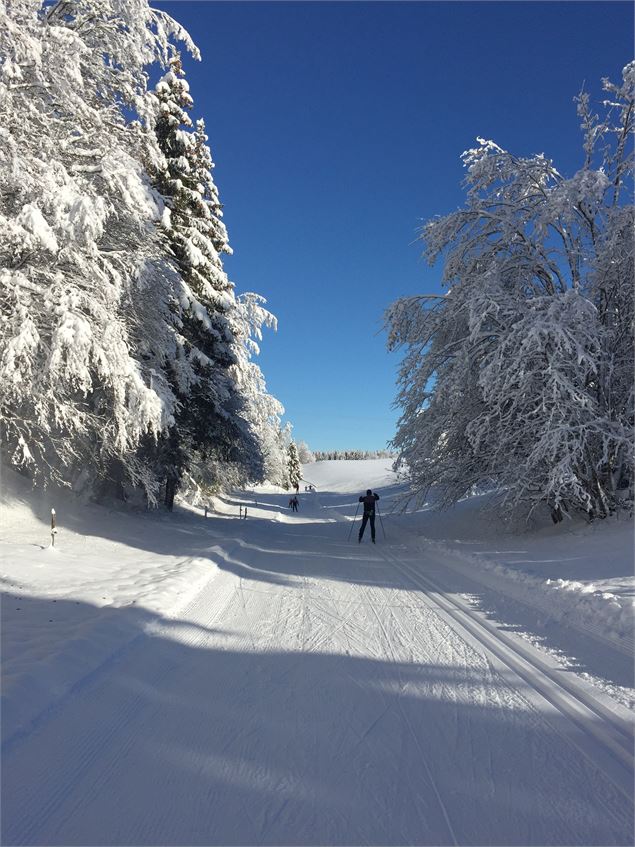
(337, 128)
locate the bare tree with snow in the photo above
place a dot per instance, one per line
(520, 376)
(305, 454)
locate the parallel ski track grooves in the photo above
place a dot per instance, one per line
(615, 734)
(408, 722)
(623, 644)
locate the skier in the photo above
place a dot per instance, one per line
(369, 513)
(293, 502)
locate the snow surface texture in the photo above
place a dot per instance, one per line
(182, 680)
(578, 570)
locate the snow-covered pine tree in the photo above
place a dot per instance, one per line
(78, 238)
(211, 430)
(293, 465)
(520, 377)
(261, 412)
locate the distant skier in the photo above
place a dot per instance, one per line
(369, 513)
(293, 502)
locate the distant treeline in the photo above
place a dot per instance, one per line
(323, 455)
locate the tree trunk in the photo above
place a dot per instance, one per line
(170, 492)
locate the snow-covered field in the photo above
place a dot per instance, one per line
(171, 679)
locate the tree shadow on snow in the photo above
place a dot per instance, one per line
(198, 739)
(289, 553)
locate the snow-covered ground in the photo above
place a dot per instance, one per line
(576, 574)
(171, 679)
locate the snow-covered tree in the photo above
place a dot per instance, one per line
(520, 377)
(211, 430)
(261, 410)
(305, 454)
(125, 353)
(347, 455)
(78, 236)
(294, 470)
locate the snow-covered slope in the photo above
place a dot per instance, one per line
(575, 572)
(190, 669)
(342, 476)
(58, 603)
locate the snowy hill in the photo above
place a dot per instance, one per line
(347, 476)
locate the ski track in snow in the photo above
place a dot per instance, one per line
(322, 692)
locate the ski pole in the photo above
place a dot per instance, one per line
(353, 523)
(381, 521)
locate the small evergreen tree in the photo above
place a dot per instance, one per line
(294, 470)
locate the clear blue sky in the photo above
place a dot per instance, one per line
(337, 128)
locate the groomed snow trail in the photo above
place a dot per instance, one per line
(321, 692)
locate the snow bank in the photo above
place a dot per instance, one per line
(577, 573)
(64, 609)
(578, 604)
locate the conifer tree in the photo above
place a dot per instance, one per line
(294, 470)
(262, 410)
(211, 423)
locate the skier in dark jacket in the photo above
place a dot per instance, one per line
(369, 513)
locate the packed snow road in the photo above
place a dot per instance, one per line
(318, 691)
